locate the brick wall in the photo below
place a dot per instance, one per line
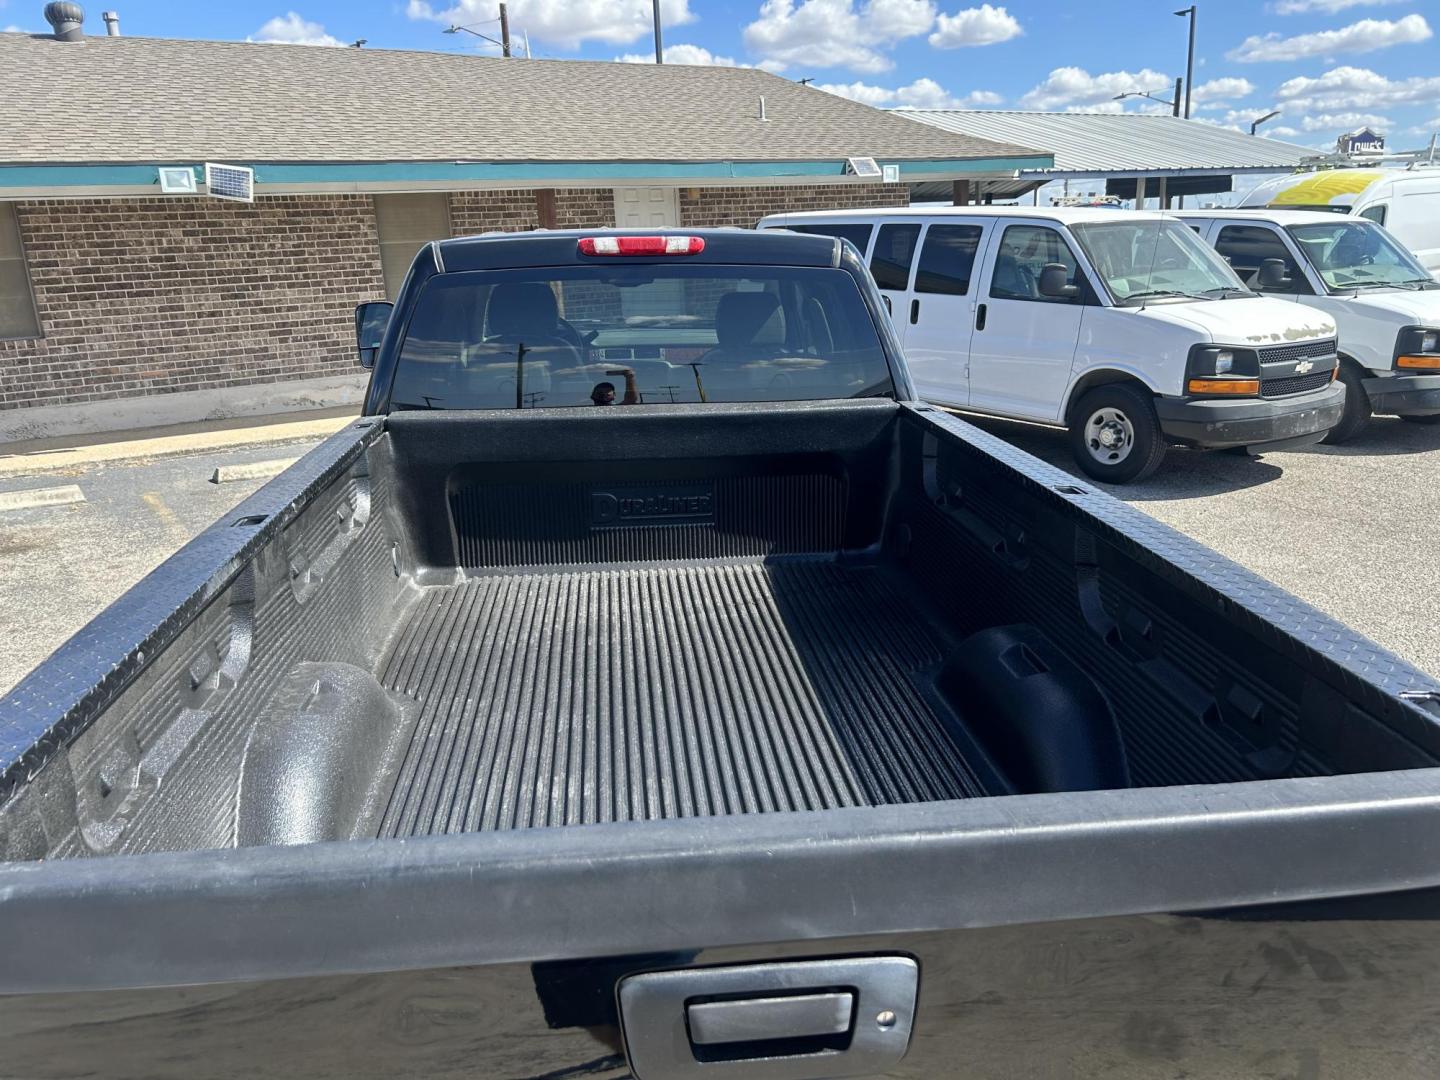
(150, 296)
(513, 209)
(712, 207)
(154, 296)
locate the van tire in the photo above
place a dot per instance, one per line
(1357, 406)
(1127, 411)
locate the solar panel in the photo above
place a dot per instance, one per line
(234, 182)
(862, 166)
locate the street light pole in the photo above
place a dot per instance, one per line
(659, 46)
(1268, 116)
(1189, 58)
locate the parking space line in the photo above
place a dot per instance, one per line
(51, 496)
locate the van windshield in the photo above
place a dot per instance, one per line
(1357, 254)
(638, 335)
(1140, 260)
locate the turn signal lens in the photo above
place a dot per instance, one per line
(1426, 363)
(1243, 387)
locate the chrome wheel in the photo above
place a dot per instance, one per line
(1109, 436)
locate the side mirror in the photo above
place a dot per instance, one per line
(371, 319)
(1272, 275)
(889, 307)
(1055, 282)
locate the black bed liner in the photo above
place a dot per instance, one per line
(666, 691)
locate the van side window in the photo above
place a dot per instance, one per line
(1375, 213)
(1025, 250)
(1245, 247)
(859, 235)
(946, 259)
(894, 252)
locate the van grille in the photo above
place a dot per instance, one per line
(1305, 350)
(1295, 384)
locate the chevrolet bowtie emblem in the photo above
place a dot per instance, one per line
(1304, 366)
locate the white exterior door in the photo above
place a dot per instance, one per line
(1023, 344)
(647, 207)
(939, 313)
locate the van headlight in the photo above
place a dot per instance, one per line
(1418, 347)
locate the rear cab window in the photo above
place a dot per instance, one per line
(638, 334)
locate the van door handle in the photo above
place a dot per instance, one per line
(798, 1020)
(980, 317)
(914, 312)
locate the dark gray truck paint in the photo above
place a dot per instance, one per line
(341, 763)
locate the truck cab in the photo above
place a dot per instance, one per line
(1120, 327)
(1383, 301)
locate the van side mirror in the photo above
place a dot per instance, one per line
(371, 319)
(1055, 282)
(1272, 275)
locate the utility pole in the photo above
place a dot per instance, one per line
(659, 45)
(1189, 58)
(1175, 104)
(504, 31)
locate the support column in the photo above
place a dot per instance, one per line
(545, 214)
(1164, 196)
(1140, 193)
(960, 193)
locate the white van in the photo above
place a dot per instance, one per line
(1123, 327)
(1387, 308)
(1405, 201)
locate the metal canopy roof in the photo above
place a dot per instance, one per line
(1121, 144)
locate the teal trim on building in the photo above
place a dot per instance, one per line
(523, 174)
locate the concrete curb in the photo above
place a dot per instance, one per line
(169, 446)
(51, 496)
(254, 470)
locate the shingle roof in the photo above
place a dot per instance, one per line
(131, 99)
(1098, 143)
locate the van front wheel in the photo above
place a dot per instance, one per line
(1115, 434)
(1357, 406)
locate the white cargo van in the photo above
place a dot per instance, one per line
(1386, 307)
(1125, 328)
(1405, 201)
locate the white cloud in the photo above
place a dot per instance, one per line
(1345, 89)
(681, 54)
(1281, 132)
(1328, 7)
(1367, 35)
(984, 25)
(835, 33)
(1217, 89)
(14, 30)
(1345, 121)
(1076, 90)
(921, 94)
(291, 29)
(566, 23)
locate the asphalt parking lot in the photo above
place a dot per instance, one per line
(1346, 528)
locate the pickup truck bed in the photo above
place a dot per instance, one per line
(420, 757)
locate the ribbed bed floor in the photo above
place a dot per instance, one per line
(662, 692)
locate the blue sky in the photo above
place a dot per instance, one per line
(1327, 65)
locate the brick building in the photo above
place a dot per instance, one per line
(122, 306)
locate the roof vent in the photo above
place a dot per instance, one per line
(67, 19)
(112, 23)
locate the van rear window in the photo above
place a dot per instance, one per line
(857, 234)
(638, 334)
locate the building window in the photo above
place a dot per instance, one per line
(17, 304)
(407, 223)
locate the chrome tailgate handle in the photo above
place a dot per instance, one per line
(761, 1019)
(799, 1020)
